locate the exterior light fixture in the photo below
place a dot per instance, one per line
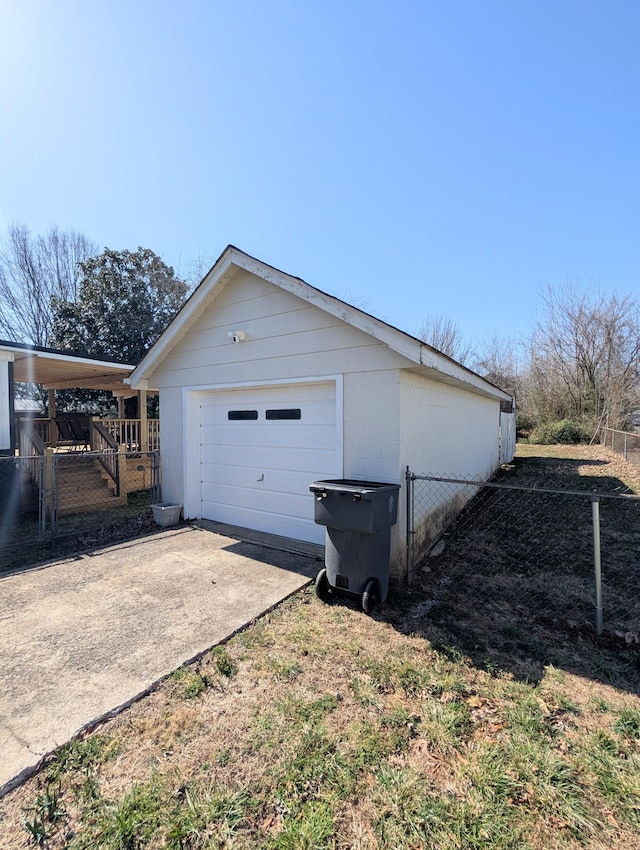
(237, 336)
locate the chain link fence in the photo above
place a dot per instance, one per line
(22, 504)
(566, 554)
(58, 501)
(625, 443)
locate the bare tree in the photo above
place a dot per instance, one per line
(195, 269)
(585, 356)
(498, 361)
(441, 333)
(34, 269)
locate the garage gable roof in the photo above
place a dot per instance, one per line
(420, 356)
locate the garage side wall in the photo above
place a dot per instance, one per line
(372, 413)
(444, 431)
(372, 425)
(171, 444)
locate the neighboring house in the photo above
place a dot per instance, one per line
(268, 384)
(24, 406)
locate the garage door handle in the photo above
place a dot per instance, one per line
(261, 477)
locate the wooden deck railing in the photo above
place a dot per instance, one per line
(39, 427)
(126, 432)
(107, 448)
(31, 443)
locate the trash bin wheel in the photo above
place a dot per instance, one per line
(371, 596)
(323, 588)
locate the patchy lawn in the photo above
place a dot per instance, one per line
(320, 727)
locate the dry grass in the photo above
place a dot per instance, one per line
(319, 727)
(597, 461)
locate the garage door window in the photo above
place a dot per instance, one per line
(291, 413)
(242, 414)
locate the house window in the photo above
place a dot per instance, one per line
(241, 415)
(286, 413)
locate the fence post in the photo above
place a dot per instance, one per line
(155, 489)
(50, 488)
(595, 514)
(122, 483)
(42, 497)
(409, 528)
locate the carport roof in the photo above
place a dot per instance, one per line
(57, 370)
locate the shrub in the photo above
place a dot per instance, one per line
(524, 425)
(565, 431)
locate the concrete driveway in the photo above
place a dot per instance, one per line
(83, 637)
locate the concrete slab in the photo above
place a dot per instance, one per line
(85, 636)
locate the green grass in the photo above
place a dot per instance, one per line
(223, 662)
(628, 723)
(283, 668)
(189, 683)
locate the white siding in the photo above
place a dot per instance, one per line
(448, 432)
(372, 425)
(286, 340)
(171, 444)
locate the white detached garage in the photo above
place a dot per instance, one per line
(268, 384)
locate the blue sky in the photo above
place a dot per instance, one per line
(444, 157)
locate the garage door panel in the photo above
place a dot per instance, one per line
(256, 459)
(310, 436)
(281, 503)
(294, 527)
(318, 413)
(270, 396)
(257, 472)
(275, 480)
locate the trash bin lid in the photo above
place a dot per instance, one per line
(351, 485)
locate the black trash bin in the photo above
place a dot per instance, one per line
(358, 517)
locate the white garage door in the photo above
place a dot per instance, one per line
(261, 447)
